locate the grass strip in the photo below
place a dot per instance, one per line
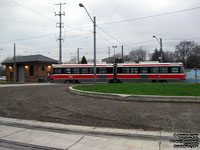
(164, 89)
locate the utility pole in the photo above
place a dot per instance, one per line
(78, 55)
(109, 53)
(14, 63)
(161, 51)
(122, 53)
(95, 60)
(60, 26)
(114, 52)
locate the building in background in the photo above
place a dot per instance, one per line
(32, 68)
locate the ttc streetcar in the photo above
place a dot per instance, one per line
(142, 72)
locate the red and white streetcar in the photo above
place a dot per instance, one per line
(133, 72)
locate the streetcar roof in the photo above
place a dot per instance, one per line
(120, 65)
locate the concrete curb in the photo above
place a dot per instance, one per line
(86, 130)
(137, 98)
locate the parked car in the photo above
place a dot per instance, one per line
(2, 78)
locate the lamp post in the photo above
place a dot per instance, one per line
(161, 50)
(114, 52)
(94, 24)
(78, 55)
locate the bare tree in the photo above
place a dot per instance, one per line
(169, 57)
(72, 61)
(117, 57)
(138, 55)
(183, 51)
(193, 60)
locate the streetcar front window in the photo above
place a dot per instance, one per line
(182, 70)
(174, 70)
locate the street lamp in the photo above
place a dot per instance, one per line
(78, 55)
(114, 52)
(94, 24)
(161, 50)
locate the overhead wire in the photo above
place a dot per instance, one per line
(151, 16)
(40, 36)
(115, 10)
(14, 21)
(31, 10)
(114, 38)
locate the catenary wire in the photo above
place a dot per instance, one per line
(152, 16)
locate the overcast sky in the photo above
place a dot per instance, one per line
(31, 24)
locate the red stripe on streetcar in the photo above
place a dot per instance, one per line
(169, 76)
(128, 76)
(72, 76)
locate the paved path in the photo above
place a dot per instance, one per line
(35, 135)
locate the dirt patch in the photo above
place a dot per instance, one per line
(54, 103)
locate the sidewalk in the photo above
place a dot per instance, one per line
(35, 135)
(26, 84)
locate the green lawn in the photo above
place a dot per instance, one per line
(165, 89)
(5, 82)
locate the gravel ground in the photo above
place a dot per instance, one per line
(54, 103)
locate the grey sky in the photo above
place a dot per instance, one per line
(35, 19)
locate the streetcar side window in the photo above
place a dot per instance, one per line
(154, 69)
(119, 70)
(75, 70)
(126, 70)
(134, 70)
(163, 70)
(143, 70)
(109, 70)
(102, 70)
(91, 70)
(84, 70)
(57, 71)
(67, 71)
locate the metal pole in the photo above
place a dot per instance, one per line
(161, 51)
(109, 53)
(60, 38)
(114, 55)
(14, 63)
(122, 53)
(94, 50)
(77, 55)
(114, 52)
(60, 14)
